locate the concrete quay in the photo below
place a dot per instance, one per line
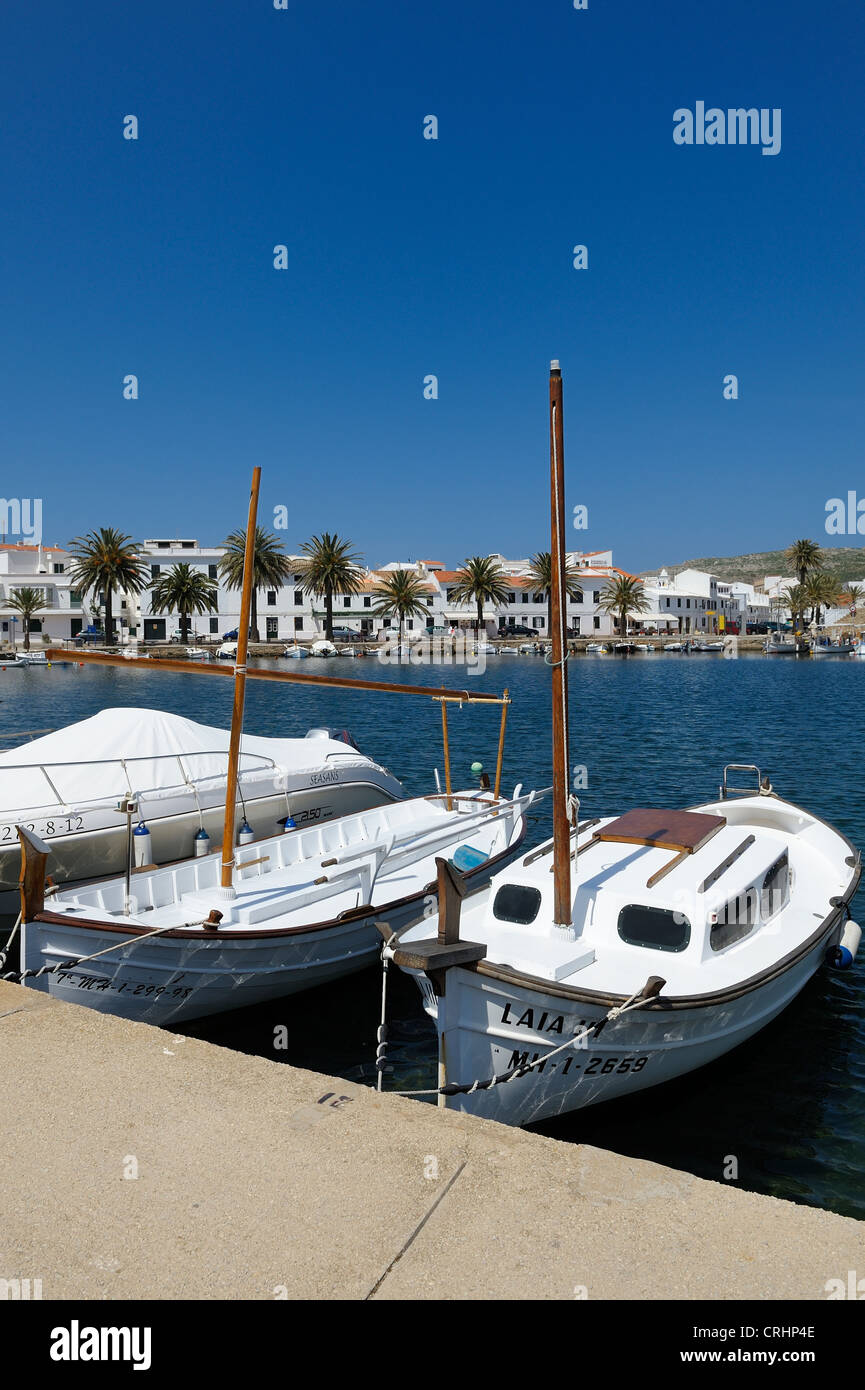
(140, 1164)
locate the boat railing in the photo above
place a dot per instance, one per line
(728, 789)
(187, 782)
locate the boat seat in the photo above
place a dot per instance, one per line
(683, 831)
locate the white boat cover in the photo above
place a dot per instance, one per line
(83, 760)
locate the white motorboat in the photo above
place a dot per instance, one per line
(165, 945)
(597, 648)
(296, 652)
(323, 648)
(197, 654)
(675, 646)
(227, 649)
(627, 950)
(66, 786)
(14, 661)
(707, 646)
(780, 646)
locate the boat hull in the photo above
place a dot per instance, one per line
(505, 1024)
(184, 975)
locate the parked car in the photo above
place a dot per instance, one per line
(230, 636)
(347, 634)
(89, 634)
(520, 630)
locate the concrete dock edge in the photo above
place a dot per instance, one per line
(140, 1164)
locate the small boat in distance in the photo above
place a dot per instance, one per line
(296, 652)
(780, 646)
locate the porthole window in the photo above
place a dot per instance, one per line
(659, 928)
(516, 902)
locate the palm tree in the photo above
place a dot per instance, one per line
(481, 580)
(270, 567)
(331, 567)
(622, 597)
(401, 595)
(821, 591)
(804, 556)
(105, 561)
(541, 576)
(852, 595)
(796, 597)
(27, 602)
(184, 590)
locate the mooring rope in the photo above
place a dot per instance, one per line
(454, 1088)
(19, 976)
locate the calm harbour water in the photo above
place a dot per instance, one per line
(653, 730)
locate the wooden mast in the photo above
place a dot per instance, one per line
(562, 908)
(239, 689)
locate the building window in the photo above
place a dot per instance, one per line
(59, 569)
(596, 596)
(597, 623)
(429, 603)
(271, 599)
(346, 603)
(512, 598)
(212, 572)
(409, 623)
(687, 603)
(367, 601)
(214, 624)
(154, 571)
(525, 598)
(298, 598)
(187, 545)
(298, 624)
(668, 603)
(578, 596)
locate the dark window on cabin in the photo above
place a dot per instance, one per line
(776, 888)
(736, 919)
(515, 902)
(656, 927)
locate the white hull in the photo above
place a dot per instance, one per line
(643, 1048)
(305, 912)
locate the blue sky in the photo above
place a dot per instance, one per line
(452, 257)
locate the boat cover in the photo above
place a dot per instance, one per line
(83, 760)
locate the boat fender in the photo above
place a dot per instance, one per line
(245, 834)
(202, 843)
(841, 957)
(289, 823)
(142, 845)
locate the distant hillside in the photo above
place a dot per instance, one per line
(843, 561)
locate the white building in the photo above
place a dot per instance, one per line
(691, 601)
(47, 568)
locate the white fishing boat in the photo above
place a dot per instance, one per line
(197, 654)
(828, 648)
(294, 652)
(322, 648)
(227, 650)
(627, 950)
(12, 661)
(780, 646)
(675, 646)
(65, 788)
(597, 648)
(165, 945)
(714, 646)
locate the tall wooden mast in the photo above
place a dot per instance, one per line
(239, 689)
(562, 907)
